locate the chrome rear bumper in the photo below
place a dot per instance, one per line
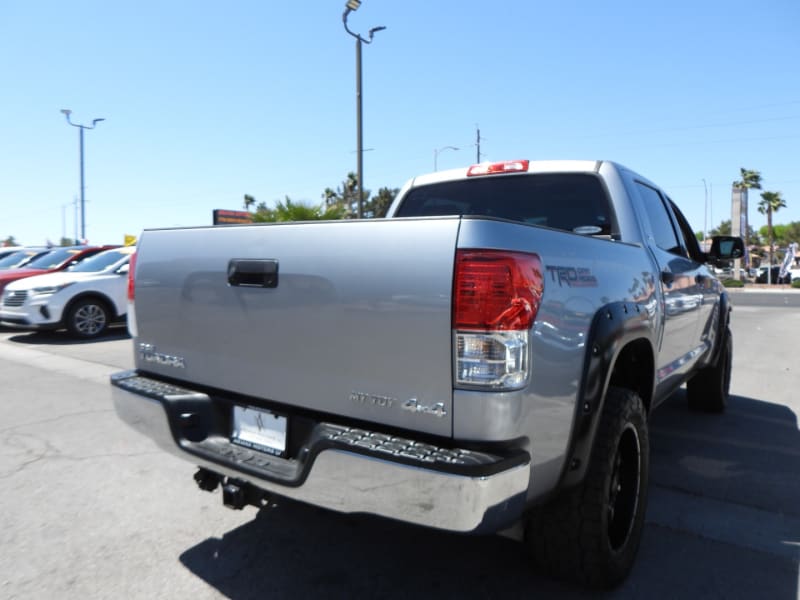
(346, 479)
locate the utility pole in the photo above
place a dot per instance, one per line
(478, 141)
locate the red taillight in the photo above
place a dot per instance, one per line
(131, 277)
(506, 166)
(496, 290)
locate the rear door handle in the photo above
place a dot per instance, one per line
(253, 272)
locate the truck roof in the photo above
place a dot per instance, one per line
(531, 166)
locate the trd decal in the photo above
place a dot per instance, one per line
(572, 276)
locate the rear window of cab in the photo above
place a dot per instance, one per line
(575, 202)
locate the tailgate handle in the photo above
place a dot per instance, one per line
(253, 272)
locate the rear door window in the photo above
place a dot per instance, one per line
(661, 227)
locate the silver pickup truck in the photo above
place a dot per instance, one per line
(486, 356)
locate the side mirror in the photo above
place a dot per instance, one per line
(726, 247)
(123, 270)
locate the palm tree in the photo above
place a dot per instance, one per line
(289, 210)
(751, 180)
(771, 202)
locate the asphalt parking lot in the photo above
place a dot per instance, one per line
(89, 509)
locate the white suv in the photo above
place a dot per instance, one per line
(84, 299)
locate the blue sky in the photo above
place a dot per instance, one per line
(207, 101)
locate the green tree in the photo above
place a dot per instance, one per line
(10, 241)
(341, 203)
(778, 232)
(724, 228)
(791, 233)
(771, 202)
(783, 234)
(345, 196)
(750, 179)
(287, 210)
(377, 207)
(65, 241)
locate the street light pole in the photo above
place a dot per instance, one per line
(711, 204)
(67, 114)
(351, 6)
(359, 132)
(705, 216)
(436, 155)
(75, 219)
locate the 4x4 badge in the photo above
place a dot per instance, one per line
(435, 410)
(148, 353)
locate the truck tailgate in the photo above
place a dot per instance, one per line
(357, 324)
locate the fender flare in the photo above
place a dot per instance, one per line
(724, 322)
(614, 327)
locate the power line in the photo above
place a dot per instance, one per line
(688, 127)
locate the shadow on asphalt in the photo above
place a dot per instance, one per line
(292, 550)
(62, 338)
(748, 457)
(744, 464)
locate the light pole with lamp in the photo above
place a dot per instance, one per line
(67, 114)
(436, 155)
(705, 216)
(351, 6)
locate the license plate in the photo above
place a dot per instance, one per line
(259, 429)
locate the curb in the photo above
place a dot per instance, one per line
(763, 289)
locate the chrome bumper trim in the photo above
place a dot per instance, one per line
(352, 482)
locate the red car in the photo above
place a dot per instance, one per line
(58, 259)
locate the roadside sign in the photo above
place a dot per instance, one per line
(222, 216)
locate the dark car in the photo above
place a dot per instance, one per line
(57, 259)
(6, 250)
(775, 276)
(21, 257)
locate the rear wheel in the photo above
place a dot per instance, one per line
(592, 533)
(708, 390)
(88, 318)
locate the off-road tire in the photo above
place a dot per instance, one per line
(591, 533)
(88, 318)
(708, 390)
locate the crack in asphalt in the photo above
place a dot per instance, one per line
(67, 457)
(55, 419)
(18, 446)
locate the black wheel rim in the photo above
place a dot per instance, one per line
(623, 490)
